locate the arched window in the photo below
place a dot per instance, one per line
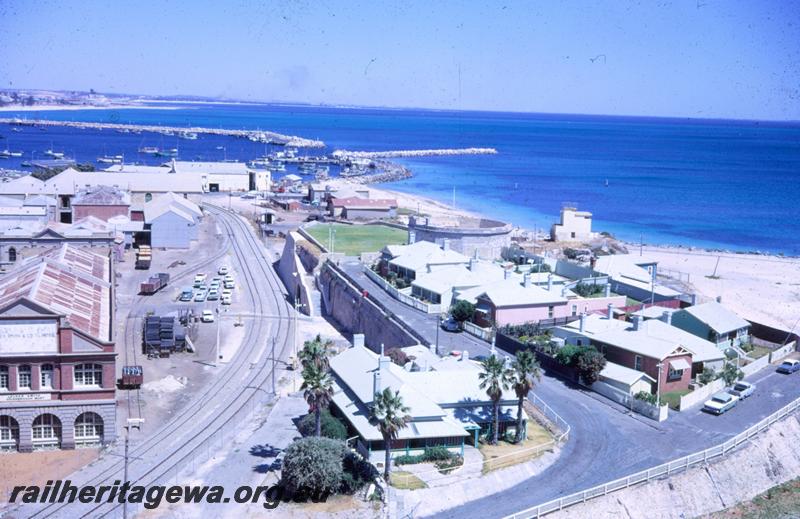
(46, 430)
(148, 197)
(88, 375)
(9, 433)
(3, 378)
(12, 254)
(88, 429)
(24, 377)
(46, 376)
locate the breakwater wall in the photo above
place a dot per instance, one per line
(412, 153)
(259, 135)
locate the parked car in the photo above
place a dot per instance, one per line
(213, 295)
(200, 277)
(208, 316)
(230, 285)
(226, 300)
(187, 295)
(743, 389)
(200, 296)
(789, 366)
(222, 270)
(451, 325)
(227, 292)
(720, 403)
(228, 277)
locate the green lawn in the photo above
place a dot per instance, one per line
(355, 239)
(673, 398)
(759, 351)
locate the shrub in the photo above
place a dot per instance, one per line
(331, 427)
(588, 290)
(313, 466)
(357, 472)
(462, 311)
(409, 459)
(731, 373)
(570, 253)
(437, 454)
(450, 464)
(707, 376)
(650, 398)
(590, 363)
(398, 356)
(567, 355)
(400, 283)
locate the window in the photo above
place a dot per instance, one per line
(550, 311)
(674, 374)
(88, 375)
(148, 197)
(88, 426)
(638, 363)
(572, 235)
(3, 378)
(24, 377)
(12, 254)
(46, 429)
(9, 431)
(47, 375)
(574, 310)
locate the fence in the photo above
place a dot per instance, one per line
(665, 469)
(481, 333)
(701, 394)
(428, 308)
(634, 404)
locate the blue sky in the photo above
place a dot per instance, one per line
(698, 58)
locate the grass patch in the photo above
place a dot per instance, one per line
(406, 481)
(405, 211)
(673, 398)
(506, 454)
(352, 240)
(629, 301)
(759, 351)
(780, 501)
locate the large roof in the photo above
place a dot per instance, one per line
(170, 202)
(102, 195)
(717, 317)
(182, 166)
(418, 256)
(70, 181)
(21, 186)
(510, 292)
(625, 375)
(625, 268)
(69, 281)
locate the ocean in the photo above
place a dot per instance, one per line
(715, 184)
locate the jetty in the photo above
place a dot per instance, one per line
(345, 154)
(253, 135)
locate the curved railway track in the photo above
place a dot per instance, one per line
(222, 403)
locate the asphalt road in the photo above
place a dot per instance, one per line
(606, 442)
(199, 423)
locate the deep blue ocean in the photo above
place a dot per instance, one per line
(719, 184)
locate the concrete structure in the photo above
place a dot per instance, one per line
(715, 323)
(172, 221)
(469, 236)
(356, 208)
(57, 359)
(414, 259)
(102, 202)
(575, 226)
(447, 406)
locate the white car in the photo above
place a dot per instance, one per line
(200, 278)
(742, 389)
(226, 300)
(227, 292)
(208, 316)
(229, 285)
(222, 270)
(227, 278)
(720, 403)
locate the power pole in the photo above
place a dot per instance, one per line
(273, 366)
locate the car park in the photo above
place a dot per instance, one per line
(742, 389)
(720, 403)
(789, 366)
(187, 295)
(208, 316)
(200, 296)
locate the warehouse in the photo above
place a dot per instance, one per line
(172, 221)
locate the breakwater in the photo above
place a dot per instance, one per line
(412, 153)
(253, 135)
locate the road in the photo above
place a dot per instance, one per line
(213, 414)
(606, 442)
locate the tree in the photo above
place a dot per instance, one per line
(707, 376)
(315, 353)
(391, 416)
(318, 391)
(590, 363)
(331, 427)
(313, 466)
(524, 370)
(731, 373)
(568, 354)
(495, 378)
(462, 311)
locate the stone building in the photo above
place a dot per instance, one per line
(470, 236)
(575, 226)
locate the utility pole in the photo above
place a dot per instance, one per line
(438, 325)
(273, 366)
(216, 348)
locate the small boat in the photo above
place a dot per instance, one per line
(606, 182)
(15, 130)
(277, 166)
(173, 152)
(151, 150)
(16, 154)
(220, 147)
(26, 164)
(54, 154)
(123, 130)
(192, 136)
(110, 160)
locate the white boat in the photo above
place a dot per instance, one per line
(152, 150)
(6, 153)
(110, 160)
(16, 153)
(192, 136)
(54, 154)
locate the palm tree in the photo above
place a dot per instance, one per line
(391, 417)
(524, 370)
(315, 352)
(495, 378)
(318, 392)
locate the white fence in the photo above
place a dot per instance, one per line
(764, 361)
(665, 469)
(632, 403)
(701, 394)
(428, 308)
(481, 333)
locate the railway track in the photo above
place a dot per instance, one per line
(221, 406)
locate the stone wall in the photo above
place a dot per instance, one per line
(487, 239)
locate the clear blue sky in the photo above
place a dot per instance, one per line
(697, 58)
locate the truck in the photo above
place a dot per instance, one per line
(154, 284)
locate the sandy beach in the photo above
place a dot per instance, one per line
(763, 288)
(40, 108)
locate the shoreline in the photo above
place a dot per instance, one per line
(72, 108)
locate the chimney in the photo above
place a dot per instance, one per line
(465, 355)
(637, 320)
(376, 381)
(610, 311)
(719, 299)
(412, 237)
(432, 347)
(549, 282)
(667, 317)
(383, 367)
(445, 244)
(358, 340)
(507, 274)
(608, 290)
(583, 322)
(526, 280)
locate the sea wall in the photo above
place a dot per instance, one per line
(356, 312)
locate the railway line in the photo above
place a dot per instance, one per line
(240, 387)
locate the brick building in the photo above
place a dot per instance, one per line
(57, 358)
(102, 202)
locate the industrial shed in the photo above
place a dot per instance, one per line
(172, 221)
